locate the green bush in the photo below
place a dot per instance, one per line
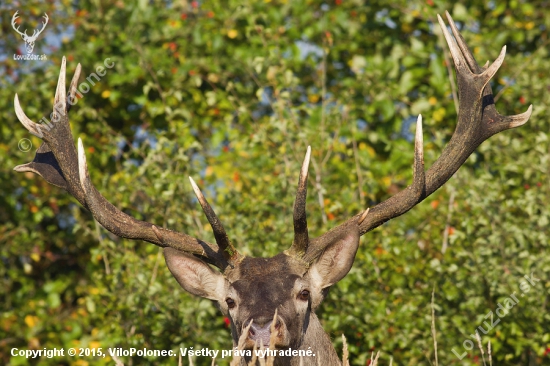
(232, 93)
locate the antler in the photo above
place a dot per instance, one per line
(13, 19)
(228, 250)
(301, 237)
(44, 23)
(58, 162)
(478, 120)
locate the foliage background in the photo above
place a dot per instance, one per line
(231, 93)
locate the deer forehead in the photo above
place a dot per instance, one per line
(265, 274)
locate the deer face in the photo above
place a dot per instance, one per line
(251, 292)
(29, 43)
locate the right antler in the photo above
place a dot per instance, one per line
(478, 120)
(59, 164)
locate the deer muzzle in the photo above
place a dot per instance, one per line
(266, 333)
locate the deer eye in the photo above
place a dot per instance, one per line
(230, 303)
(304, 295)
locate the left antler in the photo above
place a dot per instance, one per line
(44, 23)
(60, 164)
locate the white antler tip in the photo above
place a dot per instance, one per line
(197, 191)
(308, 154)
(419, 127)
(305, 166)
(82, 165)
(363, 216)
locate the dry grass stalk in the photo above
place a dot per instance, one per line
(272, 339)
(345, 352)
(374, 360)
(480, 348)
(254, 354)
(489, 352)
(240, 345)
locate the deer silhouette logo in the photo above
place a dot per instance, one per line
(29, 40)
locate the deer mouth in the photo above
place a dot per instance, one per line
(268, 334)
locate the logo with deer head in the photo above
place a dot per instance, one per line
(29, 40)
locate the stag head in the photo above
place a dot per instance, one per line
(274, 299)
(29, 40)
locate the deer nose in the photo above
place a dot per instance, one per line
(261, 331)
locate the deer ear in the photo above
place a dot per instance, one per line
(194, 275)
(336, 261)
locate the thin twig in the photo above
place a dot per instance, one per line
(448, 221)
(323, 93)
(434, 335)
(117, 360)
(358, 170)
(102, 244)
(520, 69)
(152, 73)
(330, 149)
(319, 188)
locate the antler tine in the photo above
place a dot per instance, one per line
(72, 88)
(516, 120)
(31, 126)
(419, 175)
(458, 58)
(60, 100)
(469, 57)
(477, 120)
(488, 73)
(363, 216)
(301, 238)
(229, 252)
(503, 123)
